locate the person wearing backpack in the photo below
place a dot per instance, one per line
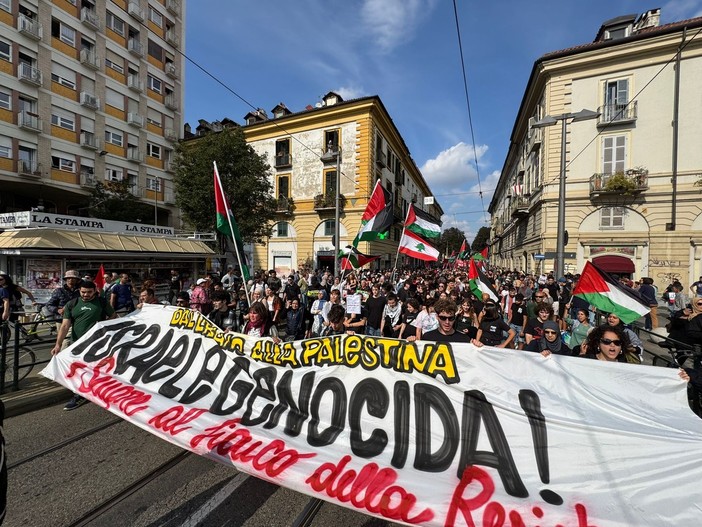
(79, 316)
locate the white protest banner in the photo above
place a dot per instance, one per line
(353, 304)
(417, 433)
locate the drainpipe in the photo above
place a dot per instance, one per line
(676, 105)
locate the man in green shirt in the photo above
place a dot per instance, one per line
(79, 316)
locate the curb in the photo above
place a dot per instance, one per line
(34, 398)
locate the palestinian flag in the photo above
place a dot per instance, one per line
(414, 246)
(605, 293)
(479, 283)
(419, 222)
(226, 224)
(463, 253)
(351, 258)
(377, 219)
(484, 253)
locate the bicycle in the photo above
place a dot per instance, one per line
(31, 330)
(26, 357)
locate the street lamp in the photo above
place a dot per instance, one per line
(330, 155)
(550, 120)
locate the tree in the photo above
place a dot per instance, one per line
(481, 239)
(245, 180)
(451, 240)
(114, 200)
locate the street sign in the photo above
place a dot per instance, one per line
(539, 257)
(552, 254)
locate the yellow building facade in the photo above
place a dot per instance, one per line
(632, 203)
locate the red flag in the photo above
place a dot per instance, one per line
(484, 252)
(100, 278)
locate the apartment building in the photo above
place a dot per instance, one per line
(370, 148)
(90, 90)
(632, 162)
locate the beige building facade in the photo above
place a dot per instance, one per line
(632, 204)
(304, 179)
(90, 90)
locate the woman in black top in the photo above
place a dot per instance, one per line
(466, 320)
(492, 327)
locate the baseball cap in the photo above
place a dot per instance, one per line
(71, 274)
(200, 281)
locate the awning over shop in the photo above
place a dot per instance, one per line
(612, 263)
(34, 241)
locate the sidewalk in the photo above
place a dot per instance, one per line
(35, 392)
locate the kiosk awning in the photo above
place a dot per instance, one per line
(612, 263)
(61, 242)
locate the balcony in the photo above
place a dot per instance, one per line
(135, 11)
(170, 135)
(28, 27)
(380, 158)
(173, 6)
(534, 139)
(89, 58)
(171, 102)
(169, 165)
(169, 197)
(135, 120)
(283, 160)
(28, 73)
(628, 183)
(28, 169)
(171, 70)
(519, 206)
(614, 114)
(327, 202)
(133, 154)
(284, 205)
(172, 38)
(135, 47)
(29, 121)
(90, 18)
(89, 100)
(89, 140)
(87, 179)
(135, 84)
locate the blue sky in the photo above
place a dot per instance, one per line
(405, 51)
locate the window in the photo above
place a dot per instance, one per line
(616, 99)
(330, 182)
(115, 24)
(114, 174)
(612, 218)
(61, 163)
(63, 119)
(5, 100)
(282, 153)
(5, 50)
(154, 83)
(114, 98)
(153, 117)
(155, 17)
(155, 50)
(5, 5)
(5, 147)
(284, 186)
(331, 140)
(63, 75)
(63, 32)
(329, 228)
(114, 65)
(114, 138)
(281, 230)
(613, 154)
(153, 183)
(153, 150)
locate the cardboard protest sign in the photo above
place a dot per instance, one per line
(417, 433)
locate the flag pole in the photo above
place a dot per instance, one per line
(397, 254)
(231, 230)
(354, 243)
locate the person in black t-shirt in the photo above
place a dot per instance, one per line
(492, 328)
(446, 312)
(517, 314)
(374, 308)
(466, 320)
(533, 330)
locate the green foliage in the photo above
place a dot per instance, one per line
(620, 182)
(451, 240)
(481, 239)
(113, 200)
(245, 178)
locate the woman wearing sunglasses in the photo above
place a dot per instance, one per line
(609, 344)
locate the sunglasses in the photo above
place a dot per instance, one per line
(538, 297)
(550, 332)
(447, 317)
(607, 342)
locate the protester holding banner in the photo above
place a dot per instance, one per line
(634, 340)
(390, 323)
(551, 342)
(610, 344)
(534, 326)
(446, 314)
(492, 327)
(221, 315)
(259, 323)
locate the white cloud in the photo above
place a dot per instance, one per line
(392, 22)
(453, 167)
(676, 10)
(350, 92)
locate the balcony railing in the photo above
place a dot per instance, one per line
(134, 83)
(171, 102)
(89, 58)
(173, 6)
(89, 100)
(29, 27)
(90, 18)
(172, 38)
(171, 71)
(135, 119)
(133, 154)
(170, 135)
(284, 205)
(135, 47)
(89, 140)
(87, 179)
(283, 160)
(611, 114)
(326, 202)
(29, 121)
(629, 182)
(28, 73)
(519, 206)
(135, 11)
